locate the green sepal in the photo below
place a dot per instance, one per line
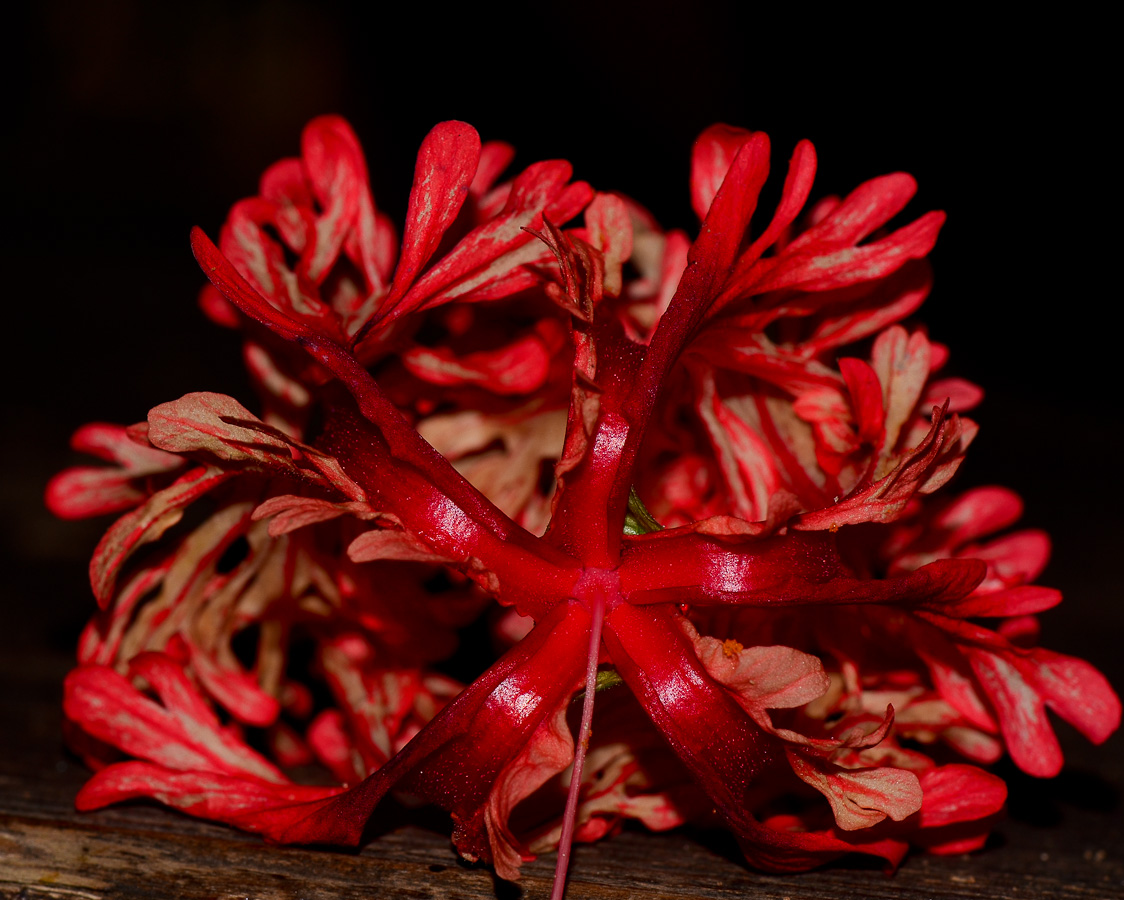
(607, 678)
(637, 519)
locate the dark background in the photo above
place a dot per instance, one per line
(128, 122)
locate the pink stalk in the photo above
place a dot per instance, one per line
(564, 844)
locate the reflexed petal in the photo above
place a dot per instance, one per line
(678, 565)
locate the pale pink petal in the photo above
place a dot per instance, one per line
(549, 751)
(388, 544)
(218, 426)
(609, 229)
(902, 363)
(761, 678)
(290, 512)
(860, 797)
(146, 524)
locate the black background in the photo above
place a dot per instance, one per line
(128, 122)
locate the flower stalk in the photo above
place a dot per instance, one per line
(565, 842)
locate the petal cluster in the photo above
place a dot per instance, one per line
(672, 509)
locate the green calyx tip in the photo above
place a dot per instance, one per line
(606, 679)
(637, 520)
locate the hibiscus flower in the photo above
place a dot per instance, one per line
(735, 547)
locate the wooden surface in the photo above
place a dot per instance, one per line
(1064, 838)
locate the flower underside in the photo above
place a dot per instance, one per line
(690, 488)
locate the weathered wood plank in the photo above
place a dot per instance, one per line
(52, 859)
(97, 860)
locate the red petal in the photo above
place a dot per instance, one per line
(708, 264)
(521, 367)
(797, 186)
(881, 304)
(235, 689)
(902, 363)
(868, 207)
(866, 399)
(962, 804)
(886, 499)
(714, 251)
(961, 394)
(1022, 715)
(709, 259)
(1016, 601)
(495, 156)
(338, 175)
(482, 255)
(95, 490)
(959, 793)
(247, 803)
(115, 443)
(85, 491)
(609, 229)
(445, 168)
(1078, 693)
(146, 524)
(711, 157)
(980, 512)
(743, 457)
(181, 734)
(261, 260)
(334, 747)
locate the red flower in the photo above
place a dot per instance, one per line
(793, 477)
